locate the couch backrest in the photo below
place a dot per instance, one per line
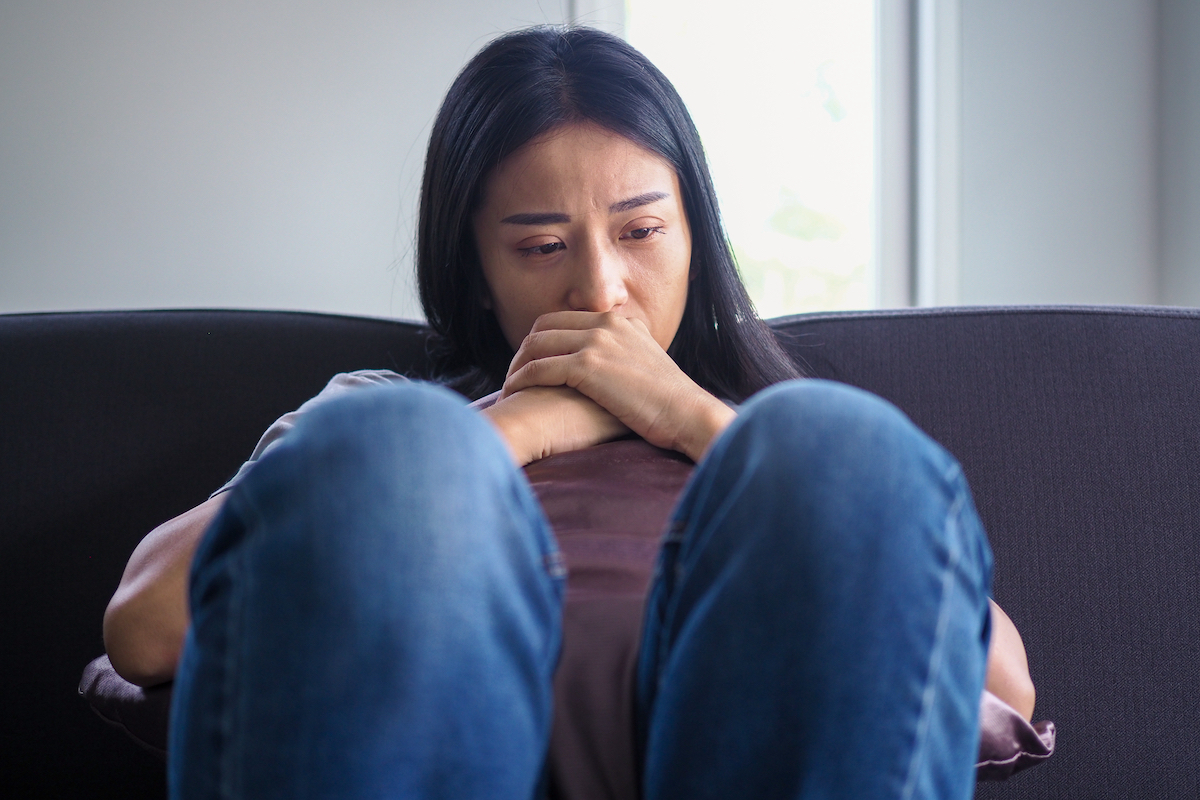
(110, 424)
(1079, 430)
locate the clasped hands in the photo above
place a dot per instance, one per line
(581, 378)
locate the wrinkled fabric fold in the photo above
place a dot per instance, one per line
(1008, 742)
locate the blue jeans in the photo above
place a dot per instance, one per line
(376, 613)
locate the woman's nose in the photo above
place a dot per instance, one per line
(598, 282)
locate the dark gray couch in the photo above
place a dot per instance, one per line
(1079, 429)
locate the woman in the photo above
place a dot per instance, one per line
(374, 608)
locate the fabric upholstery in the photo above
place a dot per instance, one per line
(1078, 429)
(112, 423)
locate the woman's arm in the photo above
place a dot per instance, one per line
(543, 420)
(147, 617)
(1007, 668)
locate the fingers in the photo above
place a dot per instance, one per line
(587, 320)
(602, 348)
(614, 361)
(574, 320)
(550, 343)
(570, 370)
(563, 332)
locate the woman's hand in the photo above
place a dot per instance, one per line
(617, 363)
(543, 420)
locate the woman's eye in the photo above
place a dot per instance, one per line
(547, 249)
(643, 233)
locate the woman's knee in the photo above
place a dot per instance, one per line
(814, 422)
(829, 469)
(404, 430)
(822, 497)
(401, 487)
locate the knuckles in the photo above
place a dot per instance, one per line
(598, 338)
(590, 360)
(531, 372)
(551, 354)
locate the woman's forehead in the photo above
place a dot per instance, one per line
(578, 166)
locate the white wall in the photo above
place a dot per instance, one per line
(268, 154)
(1179, 173)
(1059, 151)
(235, 154)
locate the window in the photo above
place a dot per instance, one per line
(783, 92)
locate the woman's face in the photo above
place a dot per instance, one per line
(584, 219)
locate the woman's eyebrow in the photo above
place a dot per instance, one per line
(634, 202)
(545, 218)
(559, 218)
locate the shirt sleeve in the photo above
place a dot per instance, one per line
(338, 385)
(487, 401)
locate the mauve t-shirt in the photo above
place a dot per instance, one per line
(608, 506)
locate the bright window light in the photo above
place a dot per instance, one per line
(783, 94)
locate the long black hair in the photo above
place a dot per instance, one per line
(523, 85)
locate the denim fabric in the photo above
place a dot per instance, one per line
(377, 613)
(818, 625)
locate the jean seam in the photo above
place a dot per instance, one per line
(951, 527)
(228, 778)
(686, 533)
